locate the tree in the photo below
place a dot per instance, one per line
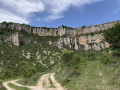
(4, 22)
(112, 36)
(83, 26)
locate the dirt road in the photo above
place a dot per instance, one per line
(43, 83)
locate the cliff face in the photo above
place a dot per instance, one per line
(14, 39)
(42, 31)
(74, 38)
(60, 31)
(94, 42)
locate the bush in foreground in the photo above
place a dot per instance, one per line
(70, 58)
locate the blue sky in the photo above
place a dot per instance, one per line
(54, 13)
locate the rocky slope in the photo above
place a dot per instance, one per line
(86, 37)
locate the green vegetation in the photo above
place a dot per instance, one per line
(67, 57)
(17, 87)
(67, 27)
(112, 36)
(71, 60)
(51, 83)
(83, 26)
(32, 81)
(95, 70)
(14, 64)
(77, 70)
(5, 31)
(30, 58)
(93, 33)
(90, 70)
(43, 84)
(1, 86)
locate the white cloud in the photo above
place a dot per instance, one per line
(24, 7)
(10, 17)
(58, 7)
(21, 10)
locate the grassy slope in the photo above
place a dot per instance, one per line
(94, 77)
(14, 63)
(93, 74)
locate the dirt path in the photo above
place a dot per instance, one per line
(43, 83)
(5, 84)
(55, 83)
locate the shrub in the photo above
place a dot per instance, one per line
(75, 61)
(105, 59)
(4, 74)
(71, 59)
(67, 56)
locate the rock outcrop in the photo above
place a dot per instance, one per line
(74, 38)
(87, 42)
(14, 39)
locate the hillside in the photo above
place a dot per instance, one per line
(32, 55)
(29, 52)
(90, 70)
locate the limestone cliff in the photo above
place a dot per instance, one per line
(14, 39)
(87, 42)
(74, 38)
(60, 31)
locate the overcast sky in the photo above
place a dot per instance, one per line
(54, 13)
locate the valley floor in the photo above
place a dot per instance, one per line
(46, 82)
